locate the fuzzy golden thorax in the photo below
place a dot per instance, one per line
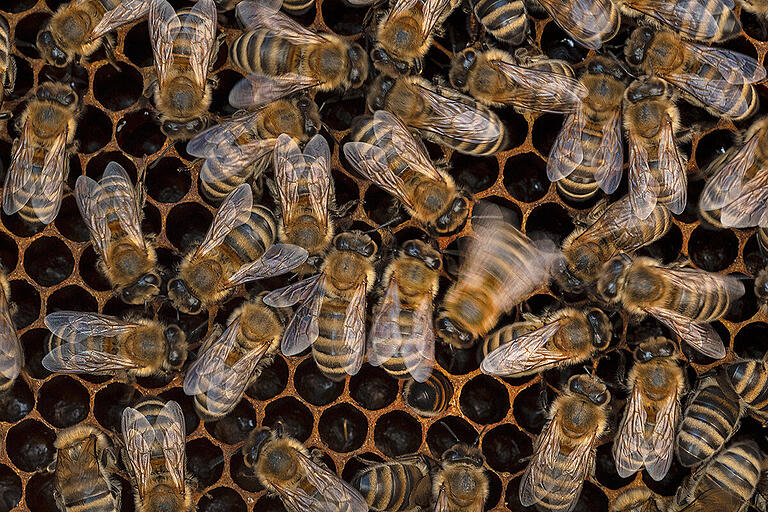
(68, 32)
(297, 116)
(277, 464)
(183, 105)
(468, 312)
(400, 36)
(200, 283)
(164, 496)
(50, 112)
(259, 324)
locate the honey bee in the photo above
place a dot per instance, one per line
(748, 379)
(761, 289)
(587, 153)
(758, 7)
(112, 210)
(80, 27)
(639, 499)
(460, 485)
(84, 471)
(11, 353)
(507, 20)
(612, 230)
(567, 337)
(684, 299)
(564, 452)
(712, 416)
(276, 45)
(184, 46)
(402, 337)
(496, 78)
(656, 169)
(439, 114)
(105, 345)
(398, 485)
(154, 439)
(39, 165)
(7, 61)
(304, 190)
(405, 32)
(589, 23)
(385, 152)
(239, 150)
(710, 21)
(647, 430)
(331, 317)
(714, 78)
(428, 398)
(285, 467)
(726, 482)
(500, 269)
(236, 249)
(231, 361)
(739, 181)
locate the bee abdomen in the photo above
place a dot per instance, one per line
(728, 25)
(388, 487)
(258, 51)
(737, 469)
(327, 349)
(709, 421)
(506, 20)
(248, 241)
(750, 381)
(429, 398)
(762, 240)
(559, 500)
(297, 7)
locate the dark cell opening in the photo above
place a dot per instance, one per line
(295, 418)
(27, 301)
(167, 180)
(397, 433)
(109, 402)
(205, 461)
(525, 177)
(137, 45)
(713, 250)
(222, 499)
(48, 261)
(63, 401)
(16, 402)
(528, 411)
(187, 223)
(313, 386)
(69, 222)
(342, 428)
(505, 448)
(235, 426)
(373, 388)
(71, 297)
(271, 382)
(10, 489)
(30, 445)
(138, 133)
(473, 173)
(94, 130)
(447, 432)
(117, 90)
(484, 400)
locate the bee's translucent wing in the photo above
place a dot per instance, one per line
(77, 326)
(200, 24)
(214, 358)
(527, 353)
(138, 437)
(170, 422)
(257, 89)
(10, 346)
(278, 259)
(123, 13)
(164, 26)
(234, 211)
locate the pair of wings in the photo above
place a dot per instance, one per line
(700, 336)
(331, 493)
(539, 90)
(636, 447)
(742, 202)
(553, 475)
(589, 22)
(265, 15)
(113, 194)
(140, 437)
(693, 19)
(528, 353)
(303, 328)
(223, 383)
(198, 26)
(570, 151)
(27, 182)
(74, 355)
(234, 211)
(10, 347)
(295, 171)
(385, 339)
(724, 93)
(124, 12)
(392, 141)
(669, 179)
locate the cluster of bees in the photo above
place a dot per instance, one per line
(276, 133)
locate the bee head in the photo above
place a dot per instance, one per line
(461, 65)
(590, 387)
(254, 443)
(358, 69)
(463, 454)
(378, 92)
(57, 92)
(637, 45)
(50, 50)
(599, 65)
(421, 251)
(601, 328)
(453, 335)
(182, 298)
(355, 241)
(146, 287)
(453, 219)
(177, 347)
(182, 130)
(645, 88)
(308, 109)
(660, 347)
(612, 277)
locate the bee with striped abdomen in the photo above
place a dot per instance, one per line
(84, 471)
(529, 84)
(7, 60)
(711, 417)
(11, 352)
(439, 114)
(40, 162)
(647, 431)
(112, 209)
(564, 338)
(717, 79)
(331, 317)
(240, 149)
(564, 452)
(710, 21)
(656, 171)
(105, 345)
(684, 299)
(184, 47)
(610, 231)
(277, 46)
(237, 248)
(749, 379)
(428, 398)
(587, 154)
(154, 443)
(590, 23)
(385, 152)
(230, 362)
(505, 20)
(285, 467)
(402, 336)
(399, 485)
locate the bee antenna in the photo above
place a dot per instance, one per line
(159, 157)
(279, 428)
(391, 221)
(623, 66)
(479, 435)
(450, 431)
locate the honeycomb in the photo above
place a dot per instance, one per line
(53, 268)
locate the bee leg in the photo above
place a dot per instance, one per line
(109, 50)
(10, 75)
